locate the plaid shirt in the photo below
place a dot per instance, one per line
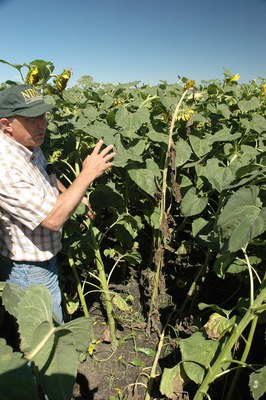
(27, 195)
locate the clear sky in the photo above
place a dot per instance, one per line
(119, 41)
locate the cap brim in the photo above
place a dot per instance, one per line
(35, 111)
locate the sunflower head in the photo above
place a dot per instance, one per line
(232, 79)
(189, 84)
(62, 80)
(32, 77)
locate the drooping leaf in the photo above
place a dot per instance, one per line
(257, 383)
(222, 263)
(81, 330)
(242, 218)
(216, 325)
(172, 382)
(133, 257)
(125, 230)
(120, 303)
(146, 178)
(16, 378)
(215, 307)
(52, 349)
(56, 360)
(57, 377)
(17, 66)
(227, 263)
(205, 233)
(197, 354)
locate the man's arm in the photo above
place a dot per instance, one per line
(93, 167)
(60, 185)
(89, 211)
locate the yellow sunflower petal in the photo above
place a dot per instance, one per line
(189, 84)
(233, 78)
(32, 76)
(61, 80)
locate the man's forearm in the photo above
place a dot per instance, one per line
(93, 166)
(67, 202)
(60, 185)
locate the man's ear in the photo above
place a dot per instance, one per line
(6, 127)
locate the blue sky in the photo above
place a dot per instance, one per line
(120, 41)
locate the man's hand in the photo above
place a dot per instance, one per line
(98, 161)
(93, 167)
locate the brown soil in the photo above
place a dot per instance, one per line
(110, 373)
(123, 374)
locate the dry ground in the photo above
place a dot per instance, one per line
(122, 374)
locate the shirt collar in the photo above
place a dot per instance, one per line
(22, 150)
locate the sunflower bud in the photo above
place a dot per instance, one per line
(55, 157)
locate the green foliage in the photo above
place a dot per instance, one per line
(13, 368)
(257, 383)
(187, 189)
(171, 382)
(49, 353)
(242, 219)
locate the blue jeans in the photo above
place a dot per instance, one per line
(27, 273)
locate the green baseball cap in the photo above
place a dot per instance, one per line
(22, 100)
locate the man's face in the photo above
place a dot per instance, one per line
(28, 131)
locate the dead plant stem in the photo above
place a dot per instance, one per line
(163, 213)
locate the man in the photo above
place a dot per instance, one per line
(33, 206)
